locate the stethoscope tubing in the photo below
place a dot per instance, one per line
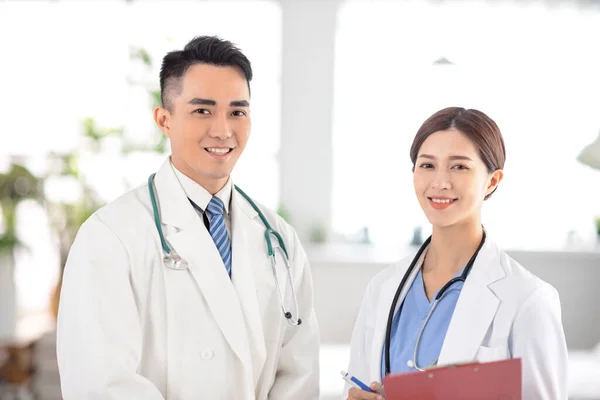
(409, 271)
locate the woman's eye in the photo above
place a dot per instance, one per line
(426, 165)
(460, 167)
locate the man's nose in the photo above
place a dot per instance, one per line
(220, 128)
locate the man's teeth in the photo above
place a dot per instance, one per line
(217, 151)
(442, 201)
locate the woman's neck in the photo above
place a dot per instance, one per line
(452, 247)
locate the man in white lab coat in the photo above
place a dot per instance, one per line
(132, 326)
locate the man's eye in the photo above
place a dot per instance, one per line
(203, 111)
(238, 113)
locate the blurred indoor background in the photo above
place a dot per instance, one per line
(340, 89)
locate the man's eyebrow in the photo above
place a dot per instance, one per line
(197, 101)
(202, 102)
(239, 103)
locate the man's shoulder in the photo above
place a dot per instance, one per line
(276, 221)
(123, 213)
(273, 217)
(126, 206)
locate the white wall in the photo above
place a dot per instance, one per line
(305, 156)
(576, 276)
(341, 274)
(339, 287)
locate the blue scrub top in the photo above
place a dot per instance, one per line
(407, 324)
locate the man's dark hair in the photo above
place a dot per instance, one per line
(210, 50)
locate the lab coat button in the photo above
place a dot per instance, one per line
(206, 354)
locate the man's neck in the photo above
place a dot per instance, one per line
(211, 185)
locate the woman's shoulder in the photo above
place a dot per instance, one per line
(518, 280)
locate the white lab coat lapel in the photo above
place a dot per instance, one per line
(388, 290)
(186, 233)
(244, 259)
(475, 309)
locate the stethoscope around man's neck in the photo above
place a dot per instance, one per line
(388, 331)
(172, 259)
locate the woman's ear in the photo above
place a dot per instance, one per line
(493, 181)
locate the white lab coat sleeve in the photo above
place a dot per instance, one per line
(538, 338)
(297, 375)
(99, 338)
(359, 354)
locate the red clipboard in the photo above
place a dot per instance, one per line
(497, 380)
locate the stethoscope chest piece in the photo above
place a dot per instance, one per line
(174, 261)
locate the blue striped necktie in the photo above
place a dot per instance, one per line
(218, 231)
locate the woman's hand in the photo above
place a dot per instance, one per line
(358, 394)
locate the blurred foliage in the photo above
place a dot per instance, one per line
(66, 218)
(16, 185)
(318, 233)
(156, 100)
(139, 53)
(284, 213)
(96, 134)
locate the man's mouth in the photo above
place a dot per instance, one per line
(220, 151)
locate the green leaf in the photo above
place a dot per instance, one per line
(19, 184)
(161, 147)
(156, 101)
(145, 57)
(92, 131)
(284, 213)
(8, 242)
(142, 55)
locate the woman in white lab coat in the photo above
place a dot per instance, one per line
(132, 326)
(500, 311)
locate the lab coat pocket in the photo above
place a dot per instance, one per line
(488, 354)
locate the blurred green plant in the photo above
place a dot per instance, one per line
(16, 185)
(284, 213)
(140, 54)
(67, 217)
(318, 233)
(95, 133)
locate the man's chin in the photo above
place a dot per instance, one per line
(216, 175)
(212, 170)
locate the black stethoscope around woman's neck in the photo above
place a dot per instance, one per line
(388, 330)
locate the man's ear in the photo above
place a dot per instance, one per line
(162, 117)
